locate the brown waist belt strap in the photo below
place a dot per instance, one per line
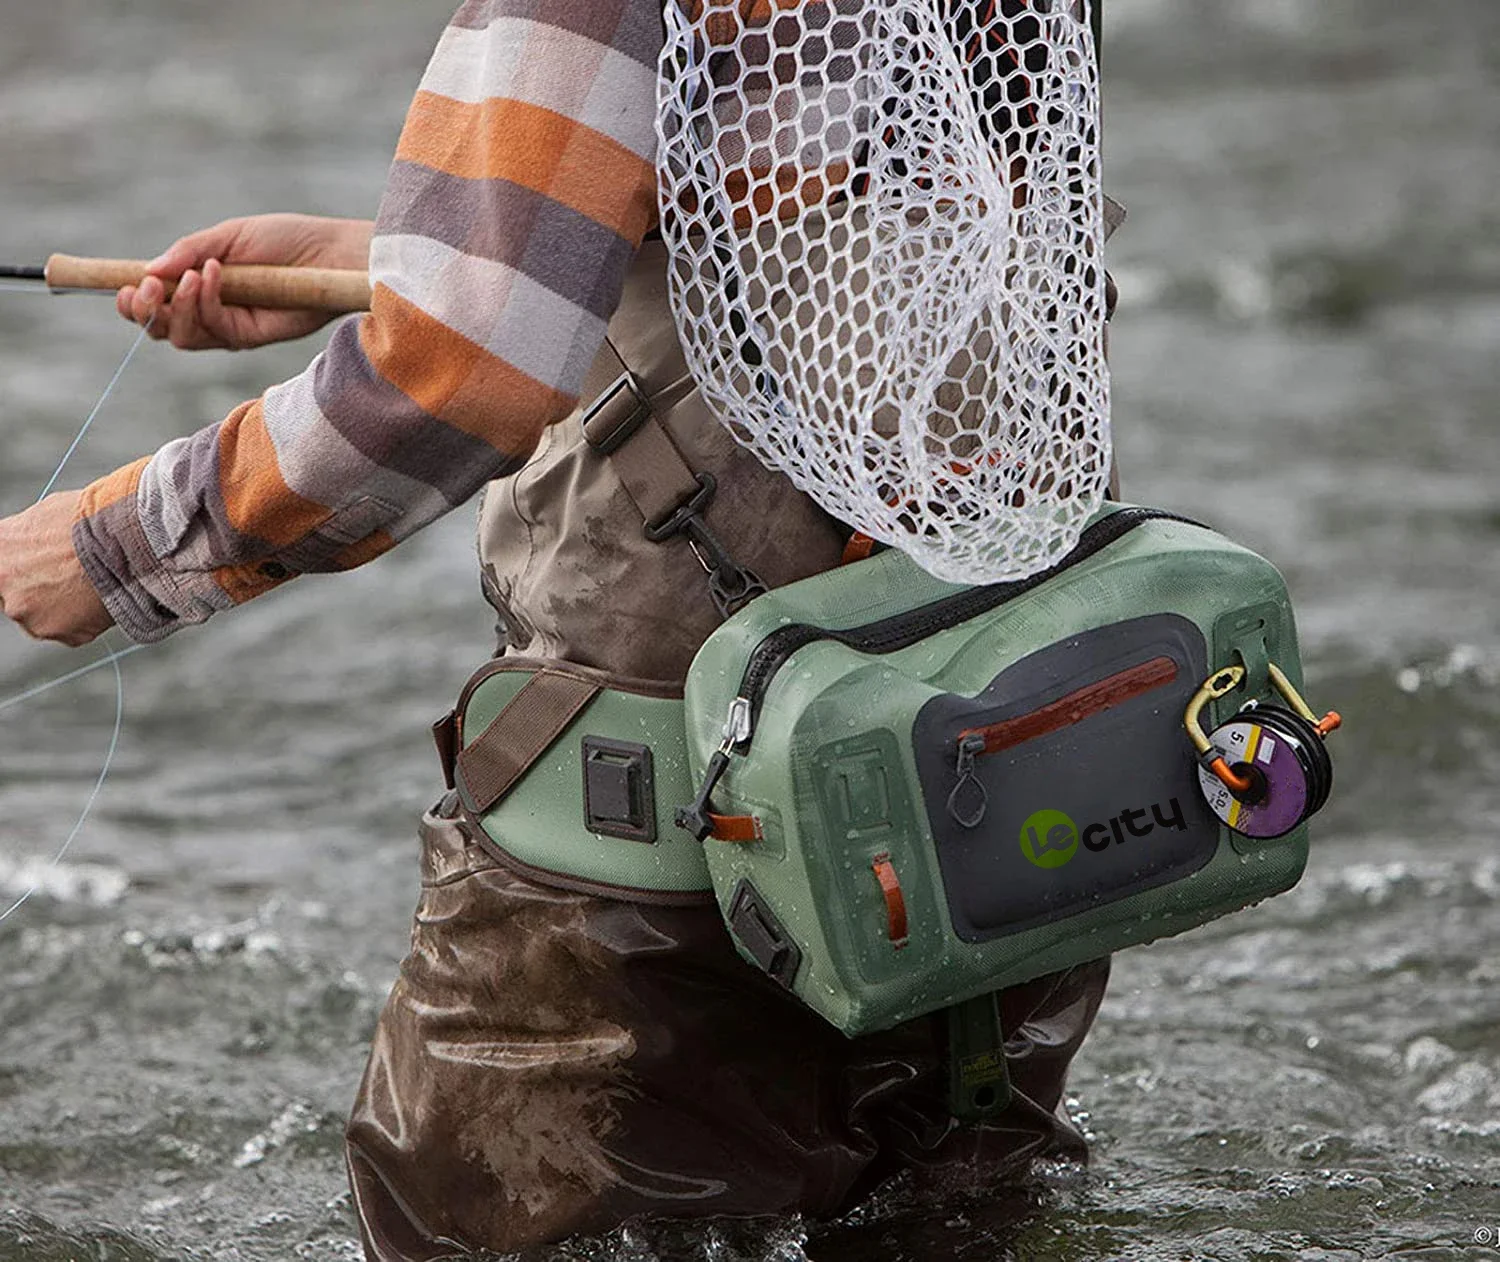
(492, 764)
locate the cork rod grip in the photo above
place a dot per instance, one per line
(245, 285)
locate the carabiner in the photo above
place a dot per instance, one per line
(1330, 722)
(1220, 683)
(1225, 681)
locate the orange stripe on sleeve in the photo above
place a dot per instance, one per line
(111, 489)
(365, 551)
(451, 378)
(243, 583)
(257, 500)
(502, 139)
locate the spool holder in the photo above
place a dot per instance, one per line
(1247, 783)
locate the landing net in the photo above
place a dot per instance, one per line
(885, 224)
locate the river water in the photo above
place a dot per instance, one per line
(1306, 355)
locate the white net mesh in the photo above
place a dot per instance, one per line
(885, 224)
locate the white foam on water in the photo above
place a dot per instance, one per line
(178, 948)
(91, 884)
(1426, 1053)
(298, 1118)
(1471, 1088)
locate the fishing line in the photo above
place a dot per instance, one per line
(98, 407)
(37, 691)
(113, 658)
(88, 806)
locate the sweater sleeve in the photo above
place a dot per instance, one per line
(523, 184)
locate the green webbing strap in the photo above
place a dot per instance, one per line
(978, 1081)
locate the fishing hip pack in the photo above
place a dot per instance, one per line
(915, 793)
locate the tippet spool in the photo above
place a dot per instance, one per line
(1266, 770)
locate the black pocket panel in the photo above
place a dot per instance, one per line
(1079, 784)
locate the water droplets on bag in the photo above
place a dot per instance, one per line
(885, 224)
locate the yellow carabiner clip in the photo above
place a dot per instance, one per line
(1215, 686)
(1330, 722)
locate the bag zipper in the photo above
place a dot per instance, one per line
(1078, 705)
(969, 799)
(889, 635)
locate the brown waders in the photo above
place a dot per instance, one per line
(554, 1060)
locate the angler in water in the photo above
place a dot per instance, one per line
(574, 1040)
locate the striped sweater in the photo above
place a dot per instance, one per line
(522, 186)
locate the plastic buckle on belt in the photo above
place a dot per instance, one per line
(730, 584)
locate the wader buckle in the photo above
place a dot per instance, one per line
(731, 585)
(614, 417)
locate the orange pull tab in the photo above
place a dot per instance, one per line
(738, 828)
(895, 901)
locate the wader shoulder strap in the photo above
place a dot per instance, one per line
(622, 425)
(490, 766)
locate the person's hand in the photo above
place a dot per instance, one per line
(197, 318)
(43, 588)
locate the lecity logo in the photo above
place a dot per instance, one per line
(1050, 838)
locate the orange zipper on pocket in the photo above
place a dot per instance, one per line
(1081, 704)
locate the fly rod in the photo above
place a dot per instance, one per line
(245, 285)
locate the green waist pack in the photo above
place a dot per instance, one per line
(914, 793)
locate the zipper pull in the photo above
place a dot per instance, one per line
(737, 726)
(696, 819)
(969, 800)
